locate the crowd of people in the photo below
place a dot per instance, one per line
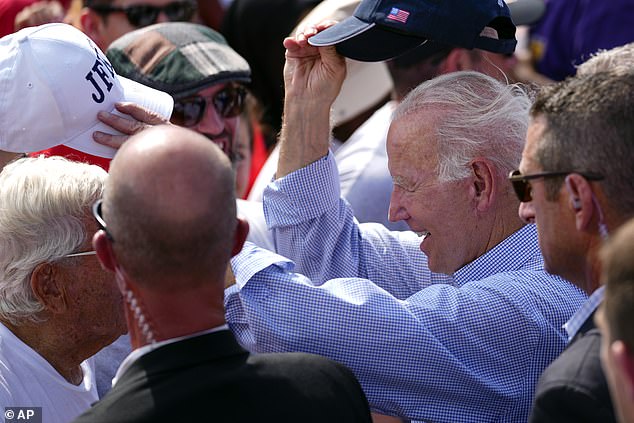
(378, 211)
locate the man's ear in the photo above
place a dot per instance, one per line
(242, 230)
(580, 197)
(103, 247)
(484, 183)
(91, 25)
(48, 289)
(458, 59)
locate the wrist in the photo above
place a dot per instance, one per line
(304, 137)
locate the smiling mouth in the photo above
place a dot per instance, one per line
(222, 141)
(423, 234)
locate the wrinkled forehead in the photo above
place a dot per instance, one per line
(415, 133)
(412, 144)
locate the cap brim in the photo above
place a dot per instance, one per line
(149, 98)
(526, 12)
(364, 41)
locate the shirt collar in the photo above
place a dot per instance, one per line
(577, 320)
(141, 351)
(510, 254)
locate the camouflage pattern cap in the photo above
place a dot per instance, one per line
(179, 58)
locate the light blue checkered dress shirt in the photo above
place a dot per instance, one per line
(424, 346)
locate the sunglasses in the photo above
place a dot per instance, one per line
(140, 15)
(522, 186)
(228, 102)
(96, 213)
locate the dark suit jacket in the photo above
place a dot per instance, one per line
(211, 378)
(573, 387)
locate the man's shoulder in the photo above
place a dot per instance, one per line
(579, 364)
(574, 385)
(269, 387)
(310, 381)
(302, 365)
(534, 280)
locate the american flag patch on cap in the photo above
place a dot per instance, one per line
(399, 15)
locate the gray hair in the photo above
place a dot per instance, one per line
(590, 128)
(43, 201)
(481, 117)
(618, 59)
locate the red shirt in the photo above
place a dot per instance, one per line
(76, 155)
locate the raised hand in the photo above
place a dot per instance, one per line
(314, 72)
(312, 79)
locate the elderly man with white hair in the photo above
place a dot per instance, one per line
(57, 306)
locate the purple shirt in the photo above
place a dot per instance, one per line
(572, 30)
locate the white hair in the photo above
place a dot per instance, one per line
(42, 204)
(480, 117)
(618, 59)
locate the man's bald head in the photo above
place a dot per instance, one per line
(170, 207)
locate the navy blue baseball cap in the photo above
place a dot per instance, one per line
(384, 29)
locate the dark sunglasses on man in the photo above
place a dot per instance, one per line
(522, 186)
(228, 102)
(140, 15)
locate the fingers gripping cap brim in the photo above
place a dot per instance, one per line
(364, 41)
(154, 100)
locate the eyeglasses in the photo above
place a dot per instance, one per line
(228, 102)
(140, 15)
(96, 212)
(522, 186)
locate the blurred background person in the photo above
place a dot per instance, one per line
(570, 31)
(18, 14)
(211, 13)
(614, 318)
(255, 29)
(39, 13)
(106, 20)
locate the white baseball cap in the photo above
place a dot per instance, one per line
(53, 82)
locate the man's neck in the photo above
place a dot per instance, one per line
(172, 315)
(505, 223)
(50, 343)
(592, 276)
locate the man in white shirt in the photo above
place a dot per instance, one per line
(57, 306)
